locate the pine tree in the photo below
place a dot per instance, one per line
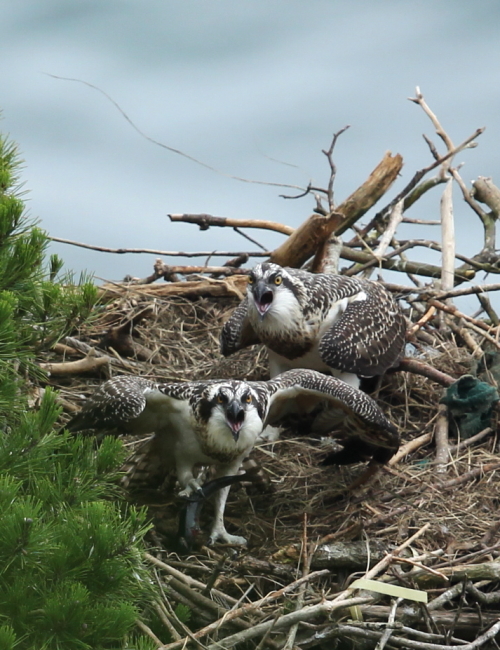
(71, 568)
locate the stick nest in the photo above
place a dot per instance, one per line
(298, 508)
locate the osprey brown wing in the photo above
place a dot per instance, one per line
(237, 332)
(369, 337)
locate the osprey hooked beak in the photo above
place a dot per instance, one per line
(235, 416)
(263, 297)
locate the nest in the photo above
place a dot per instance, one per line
(427, 524)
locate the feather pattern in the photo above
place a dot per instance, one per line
(318, 321)
(217, 422)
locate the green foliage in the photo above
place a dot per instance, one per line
(37, 306)
(71, 569)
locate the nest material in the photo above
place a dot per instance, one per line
(303, 506)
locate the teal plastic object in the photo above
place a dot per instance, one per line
(470, 402)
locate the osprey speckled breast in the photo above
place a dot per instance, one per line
(325, 322)
(217, 422)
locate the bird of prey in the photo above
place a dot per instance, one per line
(217, 422)
(332, 323)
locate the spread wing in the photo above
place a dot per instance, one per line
(237, 332)
(302, 390)
(114, 405)
(132, 405)
(369, 336)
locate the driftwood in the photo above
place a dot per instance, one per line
(90, 363)
(231, 286)
(311, 235)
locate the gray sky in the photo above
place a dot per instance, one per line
(254, 89)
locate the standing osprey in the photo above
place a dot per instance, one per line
(334, 323)
(217, 422)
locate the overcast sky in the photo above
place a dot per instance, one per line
(253, 89)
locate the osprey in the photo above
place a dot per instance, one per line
(217, 422)
(331, 323)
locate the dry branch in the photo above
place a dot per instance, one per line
(154, 251)
(90, 363)
(415, 268)
(310, 235)
(204, 221)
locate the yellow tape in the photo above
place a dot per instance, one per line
(356, 613)
(390, 590)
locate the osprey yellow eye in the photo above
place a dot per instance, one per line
(251, 279)
(248, 399)
(278, 280)
(220, 399)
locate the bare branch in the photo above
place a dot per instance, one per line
(333, 168)
(204, 221)
(153, 251)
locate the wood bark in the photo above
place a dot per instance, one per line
(231, 286)
(315, 231)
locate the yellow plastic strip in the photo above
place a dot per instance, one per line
(390, 590)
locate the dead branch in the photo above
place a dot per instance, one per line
(410, 447)
(451, 483)
(485, 191)
(448, 238)
(154, 251)
(380, 216)
(327, 257)
(307, 238)
(420, 368)
(90, 363)
(285, 622)
(247, 608)
(416, 268)
(333, 167)
(232, 286)
(441, 439)
(360, 631)
(204, 221)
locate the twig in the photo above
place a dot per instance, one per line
(90, 363)
(316, 230)
(333, 168)
(470, 441)
(467, 291)
(358, 631)
(478, 326)
(251, 239)
(419, 99)
(390, 622)
(144, 628)
(404, 266)
(249, 607)
(410, 447)
(153, 251)
(424, 369)
(380, 216)
(307, 613)
(161, 144)
(164, 617)
(446, 485)
(306, 562)
(429, 314)
(187, 579)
